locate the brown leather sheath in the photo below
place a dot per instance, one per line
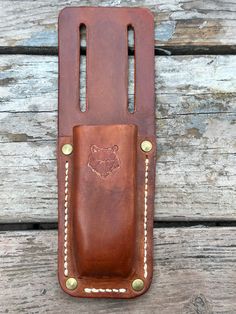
(106, 155)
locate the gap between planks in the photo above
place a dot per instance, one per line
(156, 225)
(159, 51)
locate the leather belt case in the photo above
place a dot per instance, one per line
(106, 154)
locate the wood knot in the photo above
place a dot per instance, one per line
(198, 305)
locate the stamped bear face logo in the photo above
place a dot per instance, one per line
(103, 161)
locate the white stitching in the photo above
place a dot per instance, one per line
(66, 219)
(145, 217)
(94, 290)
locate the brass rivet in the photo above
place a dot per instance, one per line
(137, 284)
(146, 146)
(67, 149)
(71, 283)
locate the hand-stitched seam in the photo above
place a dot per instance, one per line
(66, 219)
(145, 216)
(94, 290)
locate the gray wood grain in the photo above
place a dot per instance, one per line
(196, 135)
(194, 272)
(178, 22)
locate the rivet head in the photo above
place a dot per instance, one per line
(146, 146)
(71, 283)
(67, 149)
(137, 284)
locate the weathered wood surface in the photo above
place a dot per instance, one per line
(194, 273)
(178, 22)
(196, 135)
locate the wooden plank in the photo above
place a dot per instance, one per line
(194, 272)
(196, 106)
(178, 23)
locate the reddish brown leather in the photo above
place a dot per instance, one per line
(104, 159)
(106, 186)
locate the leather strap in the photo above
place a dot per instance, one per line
(106, 184)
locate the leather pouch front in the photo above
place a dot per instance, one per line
(106, 156)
